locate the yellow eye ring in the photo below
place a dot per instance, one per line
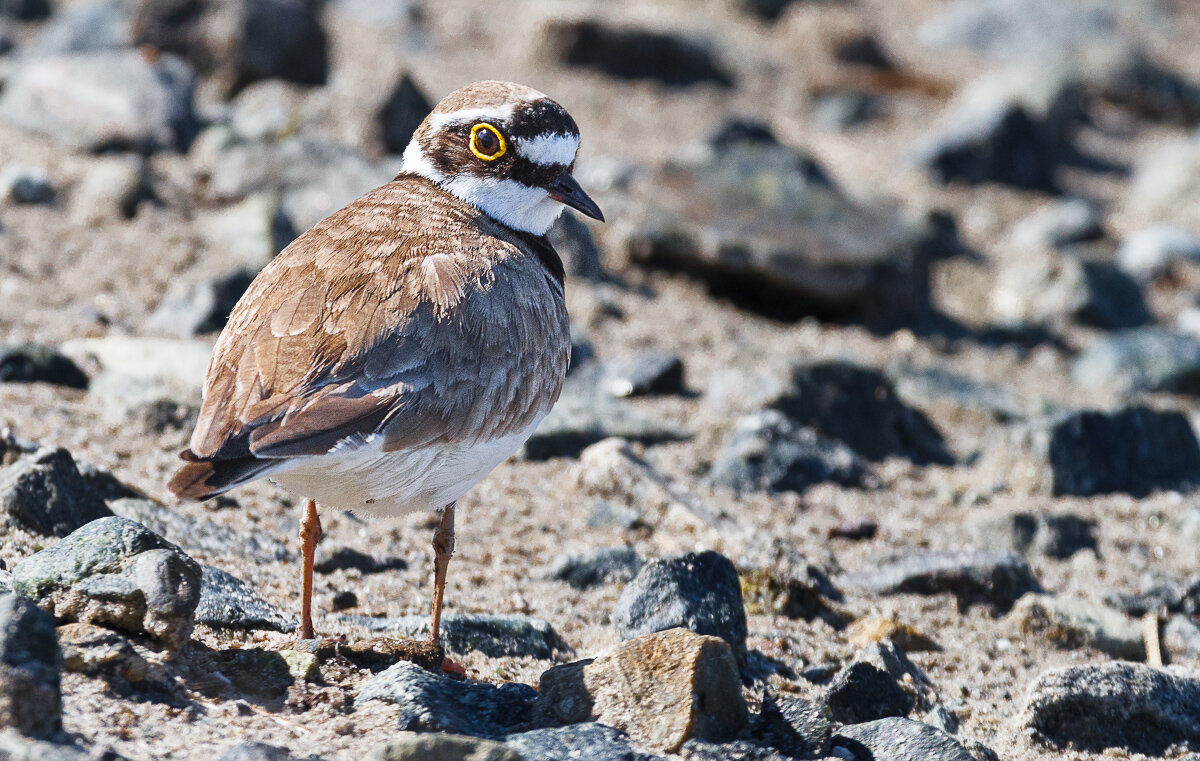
(475, 148)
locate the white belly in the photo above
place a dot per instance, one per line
(367, 479)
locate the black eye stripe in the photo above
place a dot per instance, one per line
(533, 174)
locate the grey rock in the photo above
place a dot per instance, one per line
(794, 726)
(762, 224)
(1148, 359)
(432, 703)
(734, 750)
(30, 669)
(5, 581)
(601, 566)
(248, 234)
(889, 658)
(1040, 290)
(858, 406)
(28, 185)
(102, 100)
(645, 374)
(202, 535)
(1073, 623)
(1059, 224)
(25, 10)
(17, 747)
(927, 386)
(1181, 638)
(140, 369)
(1160, 595)
(942, 718)
(770, 451)
(848, 108)
(266, 110)
(862, 692)
(403, 111)
(605, 513)
(115, 572)
(82, 27)
(111, 189)
(493, 635)
(203, 306)
(769, 10)
(1114, 705)
(97, 652)
(1151, 251)
(227, 602)
(38, 363)
(576, 246)
(255, 751)
(1164, 189)
(1135, 450)
(584, 416)
(697, 591)
(589, 740)
(632, 53)
(972, 576)
(1053, 535)
(1140, 84)
(348, 558)
(898, 739)
(442, 747)
(45, 492)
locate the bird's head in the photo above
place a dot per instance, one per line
(504, 148)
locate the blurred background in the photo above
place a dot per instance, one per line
(877, 275)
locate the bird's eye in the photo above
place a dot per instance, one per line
(487, 143)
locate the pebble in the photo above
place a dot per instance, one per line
(269, 109)
(1036, 290)
(861, 692)
(18, 747)
(38, 363)
(1071, 622)
(431, 703)
(102, 100)
(201, 535)
(769, 451)
(794, 726)
(868, 629)
(606, 565)
(587, 740)
(631, 53)
(98, 652)
(859, 407)
(248, 234)
(942, 718)
(201, 306)
(662, 689)
(972, 576)
(111, 188)
(348, 558)
(45, 492)
(1058, 224)
(1135, 450)
(256, 751)
(1141, 359)
(650, 373)
(699, 591)
(27, 185)
(576, 246)
(82, 27)
(403, 111)
(890, 658)
(927, 386)
(898, 739)
(1152, 251)
(117, 573)
(30, 668)
(442, 747)
(1052, 535)
(494, 635)
(227, 602)
(584, 417)
(1114, 705)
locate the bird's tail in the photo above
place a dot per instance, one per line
(201, 479)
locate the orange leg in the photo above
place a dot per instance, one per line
(310, 534)
(443, 548)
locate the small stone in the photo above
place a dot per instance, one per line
(303, 667)
(255, 751)
(630, 53)
(888, 657)
(402, 113)
(649, 373)
(348, 558)
(1181, 638)
(847, 108)
(1058, 224)
(269, 109)
(605, 513)
(345, 600)
(22, 184)
(589, 740)
(493, 635)
(111, 189)
(46, 493)
(734, 750)
(1057, 536)
(442, 747)
(907, 637)
(794, 726)
(802, 591)
(1144, 359)
(246, 236)
(584, 417)
(972, 576)
(30, 668)
(1161, 596)
(771, 452)
(37, 363)
(431, 703)
(861, 692)
(575, 244)
(863, 50)
(943, 718)
(227, 602)
(1114, 705)
(601, 566)
(1036, 290)
(95, 651)
(114, 572)
(254, 671)
(662, 689)
(201, 535)
(1152, 251)
(898, 739)
(697, 591)
(1135, 450)
(1073, 623)
(925, 387)
(18, 747)
(191, 309)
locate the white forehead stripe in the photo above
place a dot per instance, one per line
(549, 149)
(489, 114)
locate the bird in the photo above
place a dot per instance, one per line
(398, 351)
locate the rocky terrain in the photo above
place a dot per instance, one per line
(879, 442)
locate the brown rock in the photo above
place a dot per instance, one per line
(96, 651)
(908, 638)
(661, 689)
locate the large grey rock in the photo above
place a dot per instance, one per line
(1149, 359)
(898, 739)
(432, 703)
(115, 572)
(45, 492)
(1114, 705)
(794, 726)
(202, 535)
(863, 692)
(589, 740)
(972, 576)
(699, 591)
(102, 100)
(227, 602)
(1134, 450)
(30, 668)
(632, 53)
(1072, 622)
(494, 635)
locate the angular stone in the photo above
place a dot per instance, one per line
(630, 53)
(601, 566)
(36, 363)
(227, 602)
(190, 309)
(432, 703)
(897, 739)
(769, 451)
(202, 535)
(589, 740)
(1135, 450)
(1114, 705)
(890, 658)
(972, 576)
(348, 558)
(1073, 623)
(18, 747)
(794, 726)
(255, 751)
(1146, 359)
(1057, 536)
(583, 417)
(577, 248)
(493, 635)
(30, 668)
(649, 373)
(1153, 251)
(95, 651)
(924, 387)
(861, 692)
(1059, 224)
(45, 492)
(402, 113)
(662, 689)
(442, 747)
(697, 591)
(114, 572)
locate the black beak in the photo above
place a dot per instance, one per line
(566, 190)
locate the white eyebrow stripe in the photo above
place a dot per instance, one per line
(549, 149)
(488, 114)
